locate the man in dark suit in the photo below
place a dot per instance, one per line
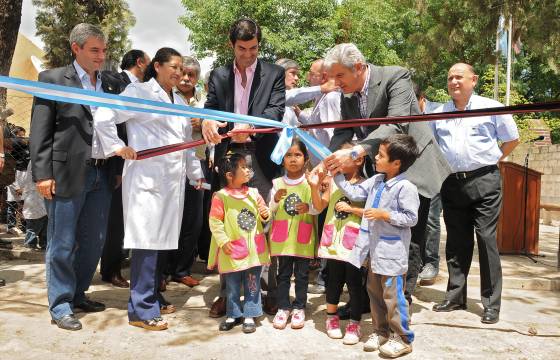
(385, 91)
(72, 176)
(133, 66)
(252, 87)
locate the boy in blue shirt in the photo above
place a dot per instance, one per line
(391, 210)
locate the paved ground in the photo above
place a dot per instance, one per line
(529, 326)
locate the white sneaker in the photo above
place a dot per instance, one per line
(15, 231)
(298, 318)
(372, 343)
(395, 347)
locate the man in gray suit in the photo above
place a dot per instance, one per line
(385, 91)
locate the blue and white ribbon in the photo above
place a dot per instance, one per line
(91, 98)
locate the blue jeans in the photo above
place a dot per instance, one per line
(35, 231)
(250, 280)
(299, 267)
(433, 233)
(76, 233)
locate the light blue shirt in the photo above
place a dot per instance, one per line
(386, 243)
(86, 82)
(471, 143)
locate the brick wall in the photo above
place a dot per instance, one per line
(545, 159)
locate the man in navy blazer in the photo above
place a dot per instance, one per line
(247, 86)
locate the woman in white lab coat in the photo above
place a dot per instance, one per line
(153, 189)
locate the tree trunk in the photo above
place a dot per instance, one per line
(10, 19)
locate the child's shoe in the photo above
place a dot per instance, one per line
(333, 327)
(372, 343)
(298, 318)
(352, 334)
(281, 319)
(395, 347)
(249, 326)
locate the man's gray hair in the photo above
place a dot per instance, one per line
(346, 54)
(189, 61)
(287, 64)
(81, 32)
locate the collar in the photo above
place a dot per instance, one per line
(469, 103)
(132, 77)
(194, 100)
(364, 91)
(293, 182)
(83, 75)
(394, 180)
(251, 68)
(239, 194)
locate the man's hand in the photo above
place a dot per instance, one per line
(240, 138)
(302, 208)
(198, 185)
(329, 86)
(376, 214)
(335, 161)
(1, 164)
(227, 248)
(210, 131)
(280, 194)
(46, 188)
(126, 153)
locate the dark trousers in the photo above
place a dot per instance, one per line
(112, 256)
(143, 303)
(180, 261)
(416, 249)
(341, 272)
(433, 233)
(473, 206)
(36, 231)
(203, 245)
(288, 266)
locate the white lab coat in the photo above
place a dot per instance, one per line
(153, 189)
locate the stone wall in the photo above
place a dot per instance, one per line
(545, 159)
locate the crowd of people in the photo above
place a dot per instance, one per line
(367, 216)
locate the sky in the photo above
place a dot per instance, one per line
(154, 20)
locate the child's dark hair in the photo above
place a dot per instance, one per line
(228, 163)
(297, 142)
(401, 147)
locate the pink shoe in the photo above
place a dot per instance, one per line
(298, 318)
(352, 335)
(281, 319)
(333, 327)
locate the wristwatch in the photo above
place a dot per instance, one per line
(354, 154)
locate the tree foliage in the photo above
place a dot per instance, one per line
(56, 18)
(301, 30)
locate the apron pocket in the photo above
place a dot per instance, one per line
(239, 249)
(350, 236)
(260, 241)
(279, 231)
(390, 247)
(326, 238)
(304, 233)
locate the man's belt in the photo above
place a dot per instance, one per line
(96, 162)
(473, 173)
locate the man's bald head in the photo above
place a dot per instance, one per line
(461, 80)
(317, 75)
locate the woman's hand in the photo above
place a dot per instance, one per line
(126, 153)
